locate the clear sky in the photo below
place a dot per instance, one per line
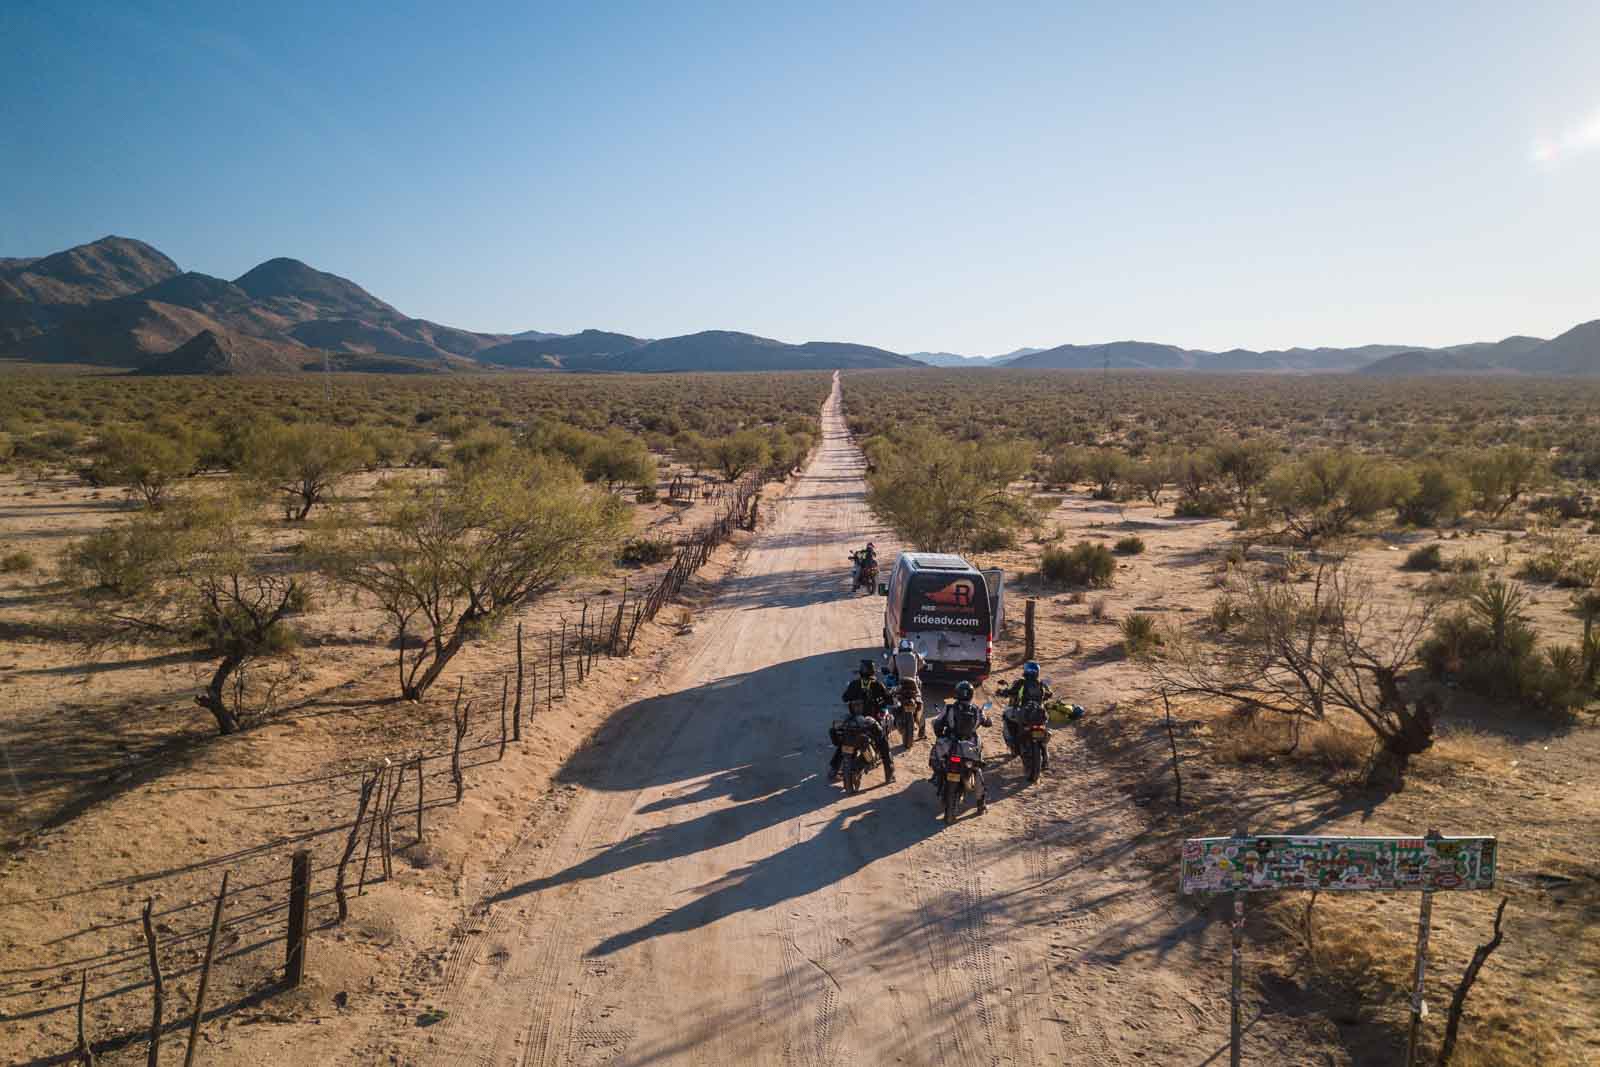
(963, 176)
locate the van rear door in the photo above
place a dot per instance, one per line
(995, 579)
(949, 617)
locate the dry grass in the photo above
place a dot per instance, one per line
(1365, 954)
(1258, 738)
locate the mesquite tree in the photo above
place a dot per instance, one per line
(948, 496)
(447, 560)
(1306, 650)
(301, 462)
(193, 575)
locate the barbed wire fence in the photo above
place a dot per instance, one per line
(279, 891)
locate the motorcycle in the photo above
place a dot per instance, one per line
(961, 774)
(860, 755)
(905, 710)
(863, 574)
(1033, 740)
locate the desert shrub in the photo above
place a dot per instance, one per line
(300, 463)
(1426, 558)
(1107, 468)
(479, 447)
(643, 551)
(19, 562)
(1564, 507)
(746, 450)
(148, 465)
(1323, 494)
(1139, 634)
(619, 460)
(1490, 648)
(448, 560)
(646, 494)
(1150, 477)
(946, 495)
(1243, 467)
(1500, 476)
(1131, 545)
(1224, 613)
(1436, 495)
(1067, 466)
(1086, 563)
(1097, 609)
(1207, 504)
(993, 540)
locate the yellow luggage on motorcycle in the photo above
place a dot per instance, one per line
(1059, 712)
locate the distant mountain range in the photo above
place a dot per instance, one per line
(119, 303)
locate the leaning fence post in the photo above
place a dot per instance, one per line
(368, 783)
(583, 632)
(1028, 608)
(388, 821)
(372, 828)
(159, 993)
(84, 1054)
(294, 968)
(516, 710)
(205, 973)
(455, 752)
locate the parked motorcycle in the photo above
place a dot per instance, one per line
(905, 710)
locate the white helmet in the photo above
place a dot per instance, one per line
(905, 645)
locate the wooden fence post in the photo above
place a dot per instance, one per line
(368, 783)
(205, 972)
(84, 1054)
(419, 798)
(455, 752)
(583, 632)
(294, 968)
(1028, 633)
(563, 659)
(549, 668)
(505, 685)
(158, 1001)
(372, 828)
(388, 821)
(516, 711)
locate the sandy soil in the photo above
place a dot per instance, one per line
(710, 898)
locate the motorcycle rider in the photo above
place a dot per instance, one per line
(957, 722)
(1028, 689)
(865, 560)
(866, 698)
(908, 664)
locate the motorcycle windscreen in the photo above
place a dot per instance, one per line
(947, 614)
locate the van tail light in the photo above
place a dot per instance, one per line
(989, 647)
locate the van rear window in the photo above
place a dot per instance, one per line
(948, 601)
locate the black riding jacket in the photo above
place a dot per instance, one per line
(872, 694)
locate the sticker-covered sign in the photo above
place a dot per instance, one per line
(1272, 862)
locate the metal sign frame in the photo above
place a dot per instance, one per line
(1263, 863)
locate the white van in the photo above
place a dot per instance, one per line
(950, 609)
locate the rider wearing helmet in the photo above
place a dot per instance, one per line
(865, 560)
(1028, 689)
(866, 698)
(957, 722)
(908, 663)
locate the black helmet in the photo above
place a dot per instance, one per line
(867, 669)
(964, 691)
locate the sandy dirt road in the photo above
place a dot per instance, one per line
(710, 899)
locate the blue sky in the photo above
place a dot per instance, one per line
(935, 176)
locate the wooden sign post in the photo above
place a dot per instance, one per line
(1266, 863)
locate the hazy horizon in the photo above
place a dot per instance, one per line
(931, 179)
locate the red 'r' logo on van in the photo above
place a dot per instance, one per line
(957, 594)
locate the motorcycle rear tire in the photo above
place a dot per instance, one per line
(908, 730)
(852, 775)
(952, 802)
(1030, 761)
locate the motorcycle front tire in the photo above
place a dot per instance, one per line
(852, 775)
